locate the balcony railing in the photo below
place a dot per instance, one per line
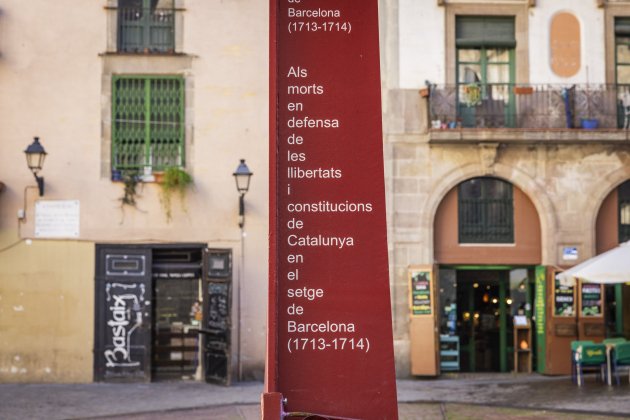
(529, 106)
(146, 30)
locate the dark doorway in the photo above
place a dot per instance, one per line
(177, 313)
(481, 320)
(481, 313)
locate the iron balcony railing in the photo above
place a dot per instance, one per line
(146, 30)
(529, 106)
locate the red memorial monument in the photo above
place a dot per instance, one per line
(330, 346)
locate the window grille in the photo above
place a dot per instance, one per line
(486, 211)
(147, 122)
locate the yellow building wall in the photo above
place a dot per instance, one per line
(46, 311)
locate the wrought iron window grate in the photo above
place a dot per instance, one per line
(485, 211)
(148, 122)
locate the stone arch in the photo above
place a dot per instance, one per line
(537, 195)
(601, 191)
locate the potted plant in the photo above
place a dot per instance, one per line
(471, 94)
(174, 180)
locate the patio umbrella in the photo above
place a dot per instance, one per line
(608, 268)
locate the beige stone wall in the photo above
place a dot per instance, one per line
(566, 182)
(56, 84)
(46, 311)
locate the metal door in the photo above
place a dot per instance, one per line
(217, 320)
(122, 327)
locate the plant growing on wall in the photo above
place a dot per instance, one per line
(175, 180)
(130, 180)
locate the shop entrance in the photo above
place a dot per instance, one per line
(477, 309)
(177, 314)
(162, 312)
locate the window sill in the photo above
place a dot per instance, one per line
(488, 245)
(144, 54)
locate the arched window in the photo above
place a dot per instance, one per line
(486, 211)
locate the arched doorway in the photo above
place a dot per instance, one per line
(612, 227)
(487, 243)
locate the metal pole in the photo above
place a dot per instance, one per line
(241, 276)
(240, 287)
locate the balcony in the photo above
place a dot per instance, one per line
(529, 113)
(146, 30)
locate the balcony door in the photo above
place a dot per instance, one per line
(485, 71)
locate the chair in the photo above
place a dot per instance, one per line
(574, 346)
(621, 357)
(590, 355)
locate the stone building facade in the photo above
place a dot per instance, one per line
(566, 181)
(119, 92)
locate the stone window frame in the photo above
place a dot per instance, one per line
(611, 12)
(521, 23)
(115, 63)
(144, 65)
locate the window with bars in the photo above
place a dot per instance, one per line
(147, 122)
(485, 211)
(146, 26)
(623, 194)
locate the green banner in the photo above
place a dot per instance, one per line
(539, 311)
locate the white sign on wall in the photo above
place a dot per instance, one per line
(570, 253)
(57, 219)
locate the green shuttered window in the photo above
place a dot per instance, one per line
(147, 122)
(146, 26)
(485, 211)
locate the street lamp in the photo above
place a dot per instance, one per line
(242, 176)
(35, 155)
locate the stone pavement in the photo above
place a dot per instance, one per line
(502, 396)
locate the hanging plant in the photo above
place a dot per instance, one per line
(175, 180)
(471, 94)
(130, 180)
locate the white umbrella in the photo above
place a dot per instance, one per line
(610, 267)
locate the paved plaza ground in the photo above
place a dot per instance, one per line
(462, 397)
